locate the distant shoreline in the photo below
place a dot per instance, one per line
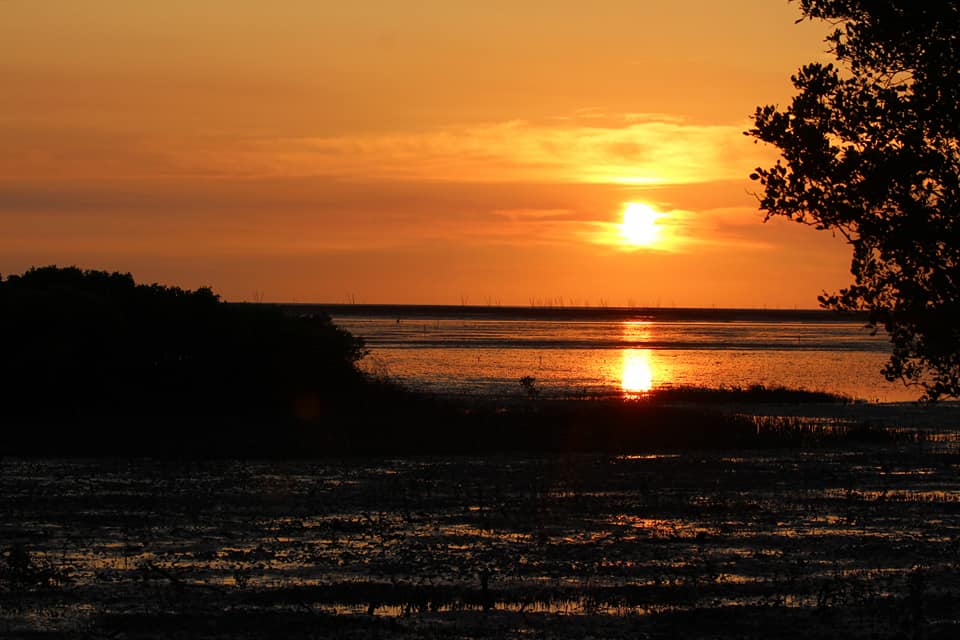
(612, 314)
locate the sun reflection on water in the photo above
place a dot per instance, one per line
(636, 375)
(636, 331)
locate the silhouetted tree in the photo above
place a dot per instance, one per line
(97, 353)
(871, 150)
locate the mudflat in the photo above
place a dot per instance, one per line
(854, 540)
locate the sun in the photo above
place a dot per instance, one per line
(640, 227)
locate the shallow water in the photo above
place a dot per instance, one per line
(627, 355)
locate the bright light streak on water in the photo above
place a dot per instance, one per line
(637, 376)
(489, 354)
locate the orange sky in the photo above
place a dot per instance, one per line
(436, 151)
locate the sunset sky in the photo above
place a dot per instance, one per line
(437, 151)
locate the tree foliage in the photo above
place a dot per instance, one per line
(94, 348)
(870, 149)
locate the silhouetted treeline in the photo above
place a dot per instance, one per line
(100, 361)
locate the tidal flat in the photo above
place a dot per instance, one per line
(859, 541)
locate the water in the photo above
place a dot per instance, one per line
(609, 351)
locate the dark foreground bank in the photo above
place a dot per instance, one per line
(97, 365)
(854, 542)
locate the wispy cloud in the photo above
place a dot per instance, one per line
(683, 231)
(306, 215)
(589, 147)
(637, 150)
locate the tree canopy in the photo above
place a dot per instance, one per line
(96, 349)
(870, 149)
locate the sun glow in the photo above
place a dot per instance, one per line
(636, 376)
(640, 227)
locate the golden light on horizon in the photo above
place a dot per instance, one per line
(337, 151)
(636, 331)
(639, 227)
(636, 374)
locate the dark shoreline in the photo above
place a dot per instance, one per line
(610, 314)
